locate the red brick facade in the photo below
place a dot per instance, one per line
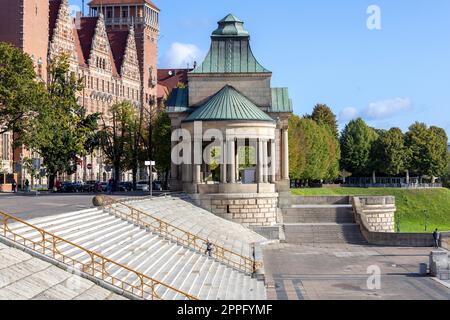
(114, 51)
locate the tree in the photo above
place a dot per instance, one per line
(356, 146)
(116, 136)
(162, 144)
(390, 155)
(20, 93)
(438, 153)
(324, 116)
(60, 130)
(312, 151)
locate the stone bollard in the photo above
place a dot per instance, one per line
(438, 261)
(98, 201)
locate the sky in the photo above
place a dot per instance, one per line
(383, 60)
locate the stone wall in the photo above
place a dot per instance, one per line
(247, 209)
(379, 213)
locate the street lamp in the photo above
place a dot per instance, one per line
(150, 165)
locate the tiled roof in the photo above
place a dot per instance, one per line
(230, 50)
(170, 78)
(86, 34)
(54, 6)
(228, 105)
(118, 43)
(162, 91)
(81, 60)
(119, 2)
(280, 100)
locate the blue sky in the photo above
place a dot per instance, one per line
(323, 51)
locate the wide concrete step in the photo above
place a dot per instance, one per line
(318, 214)
(324, 233)
(150, 254)
(320, 200)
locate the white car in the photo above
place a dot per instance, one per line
(142, 186)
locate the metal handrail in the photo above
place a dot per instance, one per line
(192, 241)
(97, 265)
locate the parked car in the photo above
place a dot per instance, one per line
(89, 186)
(142, 186)
(102, 186)
(69, 187)
(125, 186)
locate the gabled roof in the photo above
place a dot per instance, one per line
(86, 34)
(81, 61)
(281, 101)
(118, 43)
(228, 105)
(230, 50)
(54, 6)
(119, 2)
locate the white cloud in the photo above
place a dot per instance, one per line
(387, 108)
(348, 114)
(180, 55)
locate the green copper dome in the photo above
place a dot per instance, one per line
(230, 26)
(230, 50)
(228, 105)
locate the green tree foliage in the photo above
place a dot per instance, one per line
(60, 130)
(428, 150)
(162, 144)
(116, 136)
(312, 150)
(356, 146)
(390, 155)
(324, 116)
(438, 152)
(20, 93)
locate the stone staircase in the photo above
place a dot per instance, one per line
(148, 253)
(316, 220)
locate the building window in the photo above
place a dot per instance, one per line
(109, 13)
(124, 13)
(5, 146)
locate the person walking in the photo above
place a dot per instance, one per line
(27, 186)
(436, 236)
(109, 187)
(208, 247)
(14, 185)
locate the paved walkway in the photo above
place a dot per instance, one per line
(23, 277)
(338, 272)
(31, 206)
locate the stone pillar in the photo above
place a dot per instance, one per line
(260, 171)
(272, 162)
(196, 173)
(223, 166)
(173, 166)
(232, 159)
(265, 163)
(285, 156)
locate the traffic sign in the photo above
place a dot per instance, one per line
(89, 166)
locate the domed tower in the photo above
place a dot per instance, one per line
(230, 129)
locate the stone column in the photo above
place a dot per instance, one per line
(260, 172)
(173, 166)
(232, 159)
(196, 173)
(272, 161)
(265, 162)
(285, 156)
(223, 166)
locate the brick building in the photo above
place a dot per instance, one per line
(114, 51)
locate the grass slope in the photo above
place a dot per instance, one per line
(410, 204)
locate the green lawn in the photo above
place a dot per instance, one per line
(410, 204)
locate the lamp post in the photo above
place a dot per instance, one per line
(426, 216)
